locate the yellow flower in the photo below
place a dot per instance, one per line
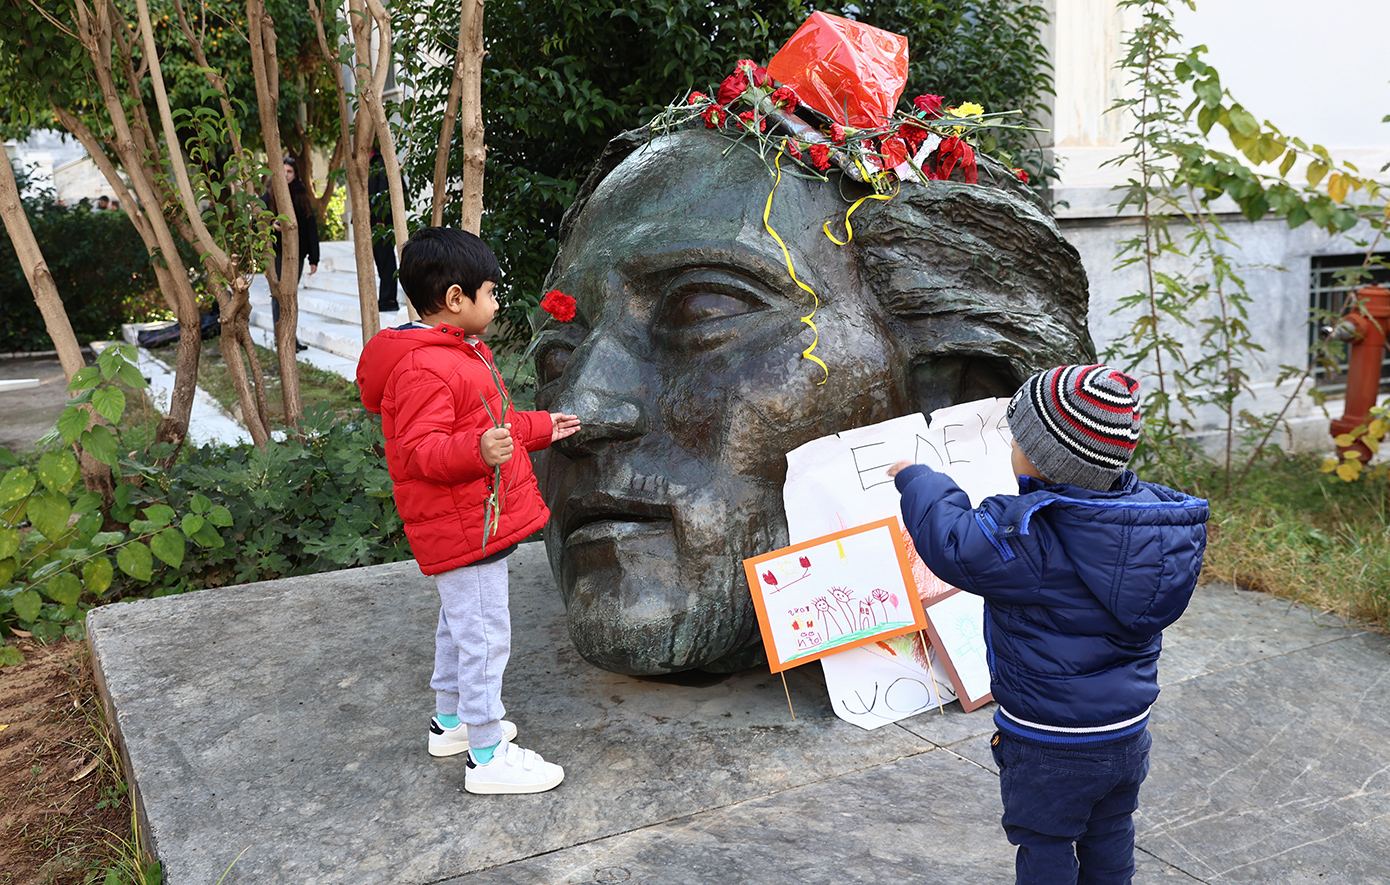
(968, 109)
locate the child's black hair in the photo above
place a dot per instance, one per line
(435, 258)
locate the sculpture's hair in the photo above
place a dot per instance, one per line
(1001, 296)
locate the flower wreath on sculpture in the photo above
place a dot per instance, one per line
(930, 143)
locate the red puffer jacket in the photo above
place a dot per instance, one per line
(425, 384)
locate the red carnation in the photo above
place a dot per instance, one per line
(929, 105)
(747, 118)
(837, 133)
(1022, 175)
(912, 136)
(894, 151)
(784, 97)
(733, 86)
(559, 305)
(792, 147)
(714, 116)
(697, 97)
(820, 156)
(756, 75)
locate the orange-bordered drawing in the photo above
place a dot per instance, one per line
(835, 592)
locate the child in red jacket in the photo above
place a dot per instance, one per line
(429, 381)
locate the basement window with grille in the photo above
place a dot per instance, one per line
(1328, 294)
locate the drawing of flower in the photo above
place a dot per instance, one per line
(770, 578)
(881, 596)
(805, 562)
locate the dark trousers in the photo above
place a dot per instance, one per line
(1071, 812)
(385, 256)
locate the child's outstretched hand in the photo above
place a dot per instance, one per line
(896, 468)
(496, 445)
(563, 425)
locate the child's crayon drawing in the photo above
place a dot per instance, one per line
(840, 591)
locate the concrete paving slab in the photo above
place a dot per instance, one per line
(288, 718)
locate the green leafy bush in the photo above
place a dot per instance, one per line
(98, 262)
(318, 501)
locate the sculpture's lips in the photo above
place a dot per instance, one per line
(599, 516)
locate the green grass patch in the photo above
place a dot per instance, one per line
(1295, 532)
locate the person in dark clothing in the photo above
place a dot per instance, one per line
(308, 231)
(1080, 572)
(383, 237)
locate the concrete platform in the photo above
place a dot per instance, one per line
(288, 720)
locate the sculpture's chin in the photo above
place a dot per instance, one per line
(632, 610)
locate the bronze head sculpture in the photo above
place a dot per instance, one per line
(685, 364)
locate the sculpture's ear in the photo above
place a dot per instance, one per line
(977, 286)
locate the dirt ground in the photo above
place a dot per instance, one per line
(62, 800)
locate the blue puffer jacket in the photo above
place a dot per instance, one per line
(1078, 586)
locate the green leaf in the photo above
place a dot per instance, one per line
(9, 542)
(1244, 121)
(27, 605)
(65, 589)
(10, 656)
(84, 378)
(52, 567)
(57, 470)
(208, 537)
(17, 483)
(191, 523)
(135, 560)
(1207, 117)
(49, 513)
(108, 539)
(100, 443)
(130, 376)
(160, 514)
(1316, 170)
(199, 503)
(71, 423)
(220, 516)
(168, 546)
(7, 570)
(97, 574)
(109, 403)
(1289, 159)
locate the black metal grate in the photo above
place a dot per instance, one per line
(1327, 293)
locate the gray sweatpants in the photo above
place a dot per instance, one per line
(471, 648)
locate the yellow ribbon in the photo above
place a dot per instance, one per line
(815, 300)
(849, 231)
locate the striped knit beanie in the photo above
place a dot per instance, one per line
(1077, 424)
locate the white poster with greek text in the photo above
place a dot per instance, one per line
(841, 481)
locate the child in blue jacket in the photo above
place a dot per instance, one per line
(1080, 572)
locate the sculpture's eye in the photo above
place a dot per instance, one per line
(551, 359)
(702, 306)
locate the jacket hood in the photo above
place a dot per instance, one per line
(389, 346)
(1138, 534)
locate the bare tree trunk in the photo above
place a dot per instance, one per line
(474, 148)
(356, 135)
(96, 476)
(264, 64)
(26, 247)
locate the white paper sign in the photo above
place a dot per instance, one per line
(840, 481)
(879, 684)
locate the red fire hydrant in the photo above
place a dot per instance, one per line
(1365, 323)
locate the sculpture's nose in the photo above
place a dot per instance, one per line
(606, 387)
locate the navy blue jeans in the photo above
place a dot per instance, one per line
(1071, 812)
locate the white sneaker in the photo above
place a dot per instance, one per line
(512, 770)
(452, 741)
